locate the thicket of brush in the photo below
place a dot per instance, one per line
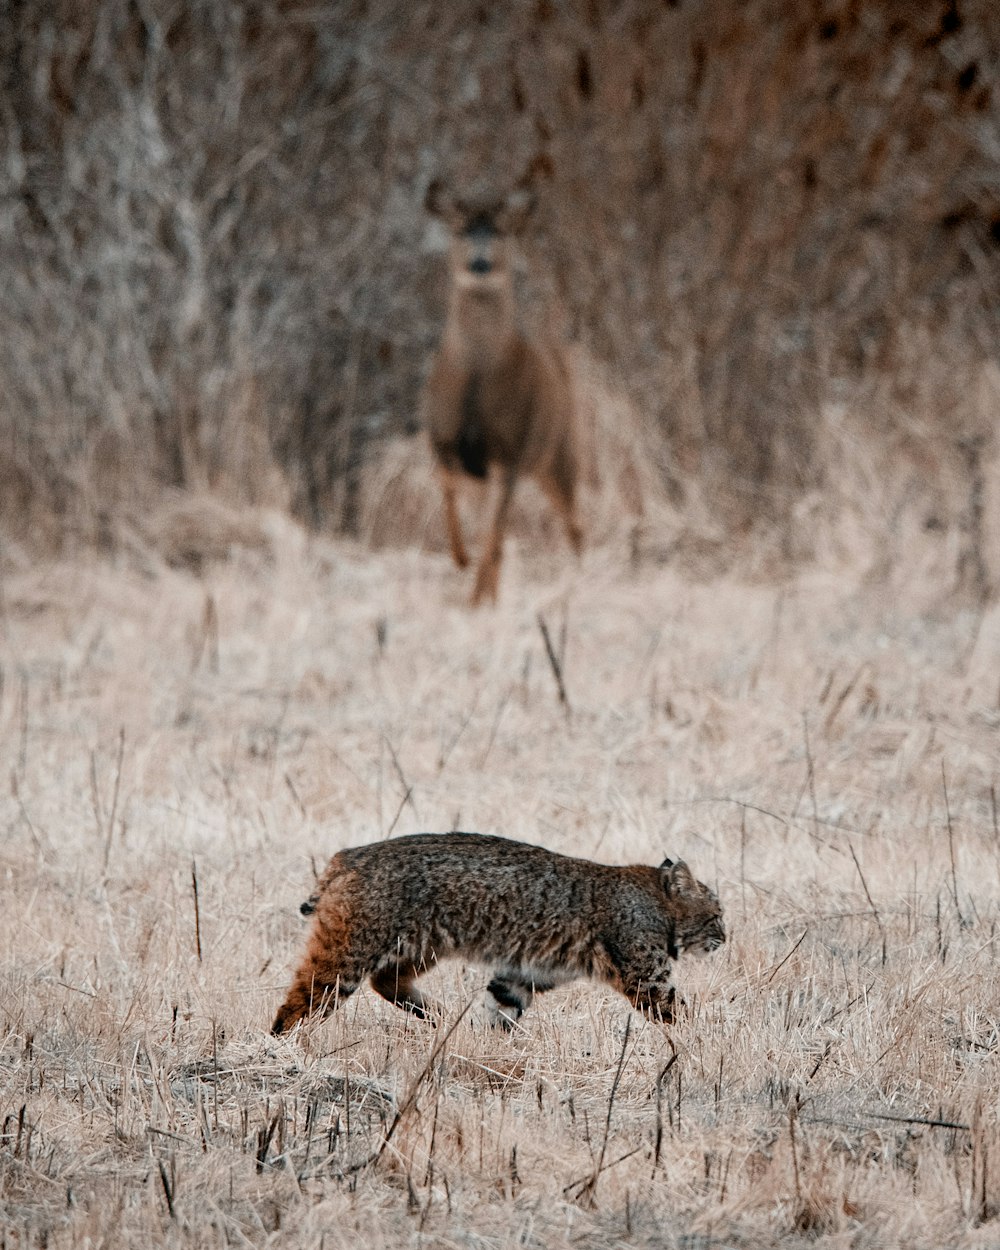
(772, 227)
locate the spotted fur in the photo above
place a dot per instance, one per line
(389, 911)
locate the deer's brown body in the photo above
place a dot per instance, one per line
(497, 400)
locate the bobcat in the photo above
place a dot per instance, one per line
(390, 910)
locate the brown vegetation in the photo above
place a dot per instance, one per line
(772, 228)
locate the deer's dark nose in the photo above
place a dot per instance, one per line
(479, 264)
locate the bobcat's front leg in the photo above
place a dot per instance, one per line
(659, 1004)
(655, 998)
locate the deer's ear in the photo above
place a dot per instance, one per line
(439, 202)
(540, 166)
(434, 197)
(522, 201)
(513, 214)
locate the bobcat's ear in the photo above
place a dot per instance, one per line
(667, 863)
(678, 878)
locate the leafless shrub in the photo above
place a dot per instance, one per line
(755, 216)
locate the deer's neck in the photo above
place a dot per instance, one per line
(481, 327)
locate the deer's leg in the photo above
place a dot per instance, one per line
(488, 574)
(561, 493)
(449, 488)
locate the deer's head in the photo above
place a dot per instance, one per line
(481, 231)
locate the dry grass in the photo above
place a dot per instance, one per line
(173, 740)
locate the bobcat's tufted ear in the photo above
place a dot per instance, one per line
(677, 877)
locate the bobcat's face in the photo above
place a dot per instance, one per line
(700, 935)
(697, 913)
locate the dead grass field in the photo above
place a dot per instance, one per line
(180, 753)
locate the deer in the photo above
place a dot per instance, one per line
(496, 401)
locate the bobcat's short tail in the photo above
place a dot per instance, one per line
(309, 906)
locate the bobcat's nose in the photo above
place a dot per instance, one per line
(479, 264)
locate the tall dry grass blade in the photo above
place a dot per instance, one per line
(554, 663)
(409, 1102)
(197, 909)
(114, 797)
(588, 1188)
(871, 901)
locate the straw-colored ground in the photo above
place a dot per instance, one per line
(826, 756)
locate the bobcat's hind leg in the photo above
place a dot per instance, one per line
(318, 986)
(509, 995)
(329, 973)
(396, 984)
